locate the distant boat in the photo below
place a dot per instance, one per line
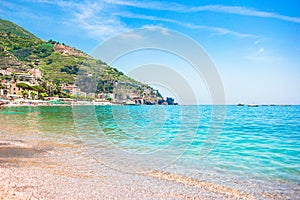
(252, 105)
(240, 104)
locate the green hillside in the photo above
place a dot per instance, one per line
(61, 65)
(9, 27)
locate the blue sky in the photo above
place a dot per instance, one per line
(254, 44)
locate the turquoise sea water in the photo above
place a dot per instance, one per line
(254, 149)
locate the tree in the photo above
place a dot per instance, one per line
(7, 77)
(24, 86)
(24, 93)
(69, 69)
(43, 95)
(49, 88)
(37, 88)
(33, 94)
(64, 95)
(49, 61)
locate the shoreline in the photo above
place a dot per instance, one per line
(35, 168)
(113, 104)
(35, 103)
(36, 162)
(47, 103)
(27, 168)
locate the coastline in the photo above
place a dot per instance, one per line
(47, 103)
(37, 169)
(48, 163)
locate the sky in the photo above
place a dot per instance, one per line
(254, 45)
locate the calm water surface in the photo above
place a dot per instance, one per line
(255, 149)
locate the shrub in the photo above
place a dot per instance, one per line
(24, 86)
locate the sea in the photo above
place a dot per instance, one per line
(252, 149)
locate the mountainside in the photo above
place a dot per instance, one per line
(64, 67)
(10, 27)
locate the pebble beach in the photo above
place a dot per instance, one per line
(49, 170)
(45, 155)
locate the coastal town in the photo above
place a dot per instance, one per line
(89, 92)
(27, 88)
(38, 72)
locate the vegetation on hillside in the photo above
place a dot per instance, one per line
(21, 51)
(10, 27)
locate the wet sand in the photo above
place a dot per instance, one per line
(54, 170)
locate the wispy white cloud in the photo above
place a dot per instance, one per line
(93, 17)
(214, 30)
(102, 19)
(97, 20)
(246, 12)
(155, 5)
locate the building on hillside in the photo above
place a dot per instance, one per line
(36, 73)
(79, 93)
(129, 102)
(137, 99)
(27, 78)
(11, 89)
(91, 95)
(4, 91)
(2, 83)
(6, 72)
(70, 89)
(74, 91)
(104, 96)
(14, 90)
(119, 97)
